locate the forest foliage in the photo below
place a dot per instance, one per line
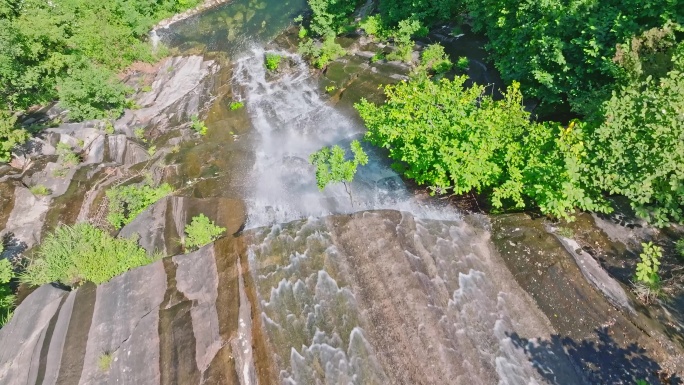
(71, 50)
(615, 66)
(457, 140)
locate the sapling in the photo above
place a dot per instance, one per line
(331, 166)
(647, 269)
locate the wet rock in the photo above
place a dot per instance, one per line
(549, 271)
(162, 226)
(179, 90)
(598, 277)
(48, 177)
(358, 294)
(124, 151)
(124, 325)
(6, 201)
(160, 323)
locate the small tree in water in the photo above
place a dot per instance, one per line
(331, 167)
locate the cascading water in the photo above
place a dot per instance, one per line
(292, 121)
(377, 297)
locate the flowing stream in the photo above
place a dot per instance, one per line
(380, 298)
(415, 295)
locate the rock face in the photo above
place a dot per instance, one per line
(158, 323)
(180, 88)
(361, 298)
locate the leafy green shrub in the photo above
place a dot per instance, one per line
(434, 58)
(6, 295)
(73, 255)
(109, 127)
(139, 133)
(126, 202)
(273, 61)
(201, 231)
(236, 105)
(330, 16)
(331, 166)
(321, 54)
(401, 53)
(637, 149)
(92, 92)
(67, 157)
(463, 63)
(198, 125)
(40, 190)
(374, 26)
(10, 135)
(679, 247)
(303, 33)
(403, 39)
(460, 139)
(377, 57)
(647, 269)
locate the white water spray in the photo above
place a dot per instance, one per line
(292, 120)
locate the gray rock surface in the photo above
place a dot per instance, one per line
(26, 335)
(124, 325)
(390, 284)
(179, 90)
(598, 277)
(26, 219)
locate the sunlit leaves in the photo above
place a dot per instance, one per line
(331, 166)
(457, 139)
(638, 149)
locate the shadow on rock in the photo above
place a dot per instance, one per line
(600, 361)
(13, 247)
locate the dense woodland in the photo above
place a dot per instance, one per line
(616, 66)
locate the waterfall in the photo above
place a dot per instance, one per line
(154, 39)
(292, 119)
(377, 297)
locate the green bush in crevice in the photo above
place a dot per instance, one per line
(73, 255)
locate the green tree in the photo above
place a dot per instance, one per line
(91, 92)
(329, 16)
(564, 51)
(70, 48)
(10, 135)
(637, 149)
(331, 166)
(393, 11)
(459, 139)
